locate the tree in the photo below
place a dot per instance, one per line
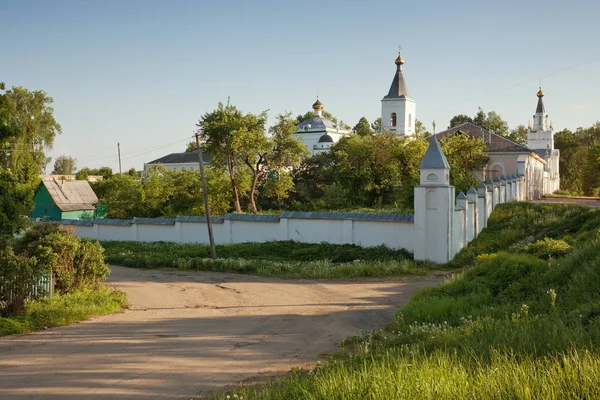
(261, 153)
(31, 114)
(518, 135)
(64, 165)
(459, 120)
(218, 128)
(191, 147)
(82, 174)
(375, 168)
(132, 172)
(376, 126)
(491, 121)
(104, 172)
(420, 130)
(362, 128)
(465, 156)
(122, 195)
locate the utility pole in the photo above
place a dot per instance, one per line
(119, 150)
(211, 239)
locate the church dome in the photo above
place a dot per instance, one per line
(318, 105)
(540, 94)
(325, 139)
(399, 60)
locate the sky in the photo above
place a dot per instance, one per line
(143, 72)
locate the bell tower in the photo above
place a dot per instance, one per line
(540, 136)
(397, 107)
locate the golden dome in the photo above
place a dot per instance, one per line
(540, 94)
(318, 105)
(399, 60)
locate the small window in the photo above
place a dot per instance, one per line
(393, 120)
(409, 120)
(45, 211)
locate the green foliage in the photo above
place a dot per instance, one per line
(548, 248)
(75, 263)
(16, 201)
(29, 116)
(579, 160)
(82, 174)
(64, 309)
(491, 121)
(362, 128)
(518, 135)
(465, 156)
(282, 259)
(64, 165)
(165, 194)
(121, 194)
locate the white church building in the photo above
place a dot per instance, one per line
(320, 133)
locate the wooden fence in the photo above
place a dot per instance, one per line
(44, 287)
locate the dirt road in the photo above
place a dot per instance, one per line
(191, 332)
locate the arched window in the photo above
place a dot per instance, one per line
(393, 120)
(409, 120)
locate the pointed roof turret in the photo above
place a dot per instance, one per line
(540, 105)
(398, 87)
(434, 157)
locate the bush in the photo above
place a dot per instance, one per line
(76, 263)
(548, 248)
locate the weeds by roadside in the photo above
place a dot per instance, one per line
(64, 310)
(281, 259)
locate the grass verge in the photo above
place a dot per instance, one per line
(64, 310)
(521, 321)
(282, 259)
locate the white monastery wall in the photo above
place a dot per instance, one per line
(442, 225)
(393, 230)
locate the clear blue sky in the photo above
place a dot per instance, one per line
(143, 72)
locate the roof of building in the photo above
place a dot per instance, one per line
(398, 87)
(319, 123)
(325, 139)
(182, 158)
(540, 109)
(434, 157)
(71, 195)
(493, 142)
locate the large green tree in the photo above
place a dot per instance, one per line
(32, 115)
(217, 133)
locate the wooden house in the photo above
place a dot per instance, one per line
(60, 199)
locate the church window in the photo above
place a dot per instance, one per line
(409, 120)
(393, 120)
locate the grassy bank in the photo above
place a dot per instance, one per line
(64, 310)
(521, 321)
(283, 259)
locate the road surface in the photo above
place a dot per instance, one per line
(188, 333)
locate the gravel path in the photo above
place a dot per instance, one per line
(189, 333)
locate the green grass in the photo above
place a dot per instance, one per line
(64, 310)
(519, 322)
(282, 259)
